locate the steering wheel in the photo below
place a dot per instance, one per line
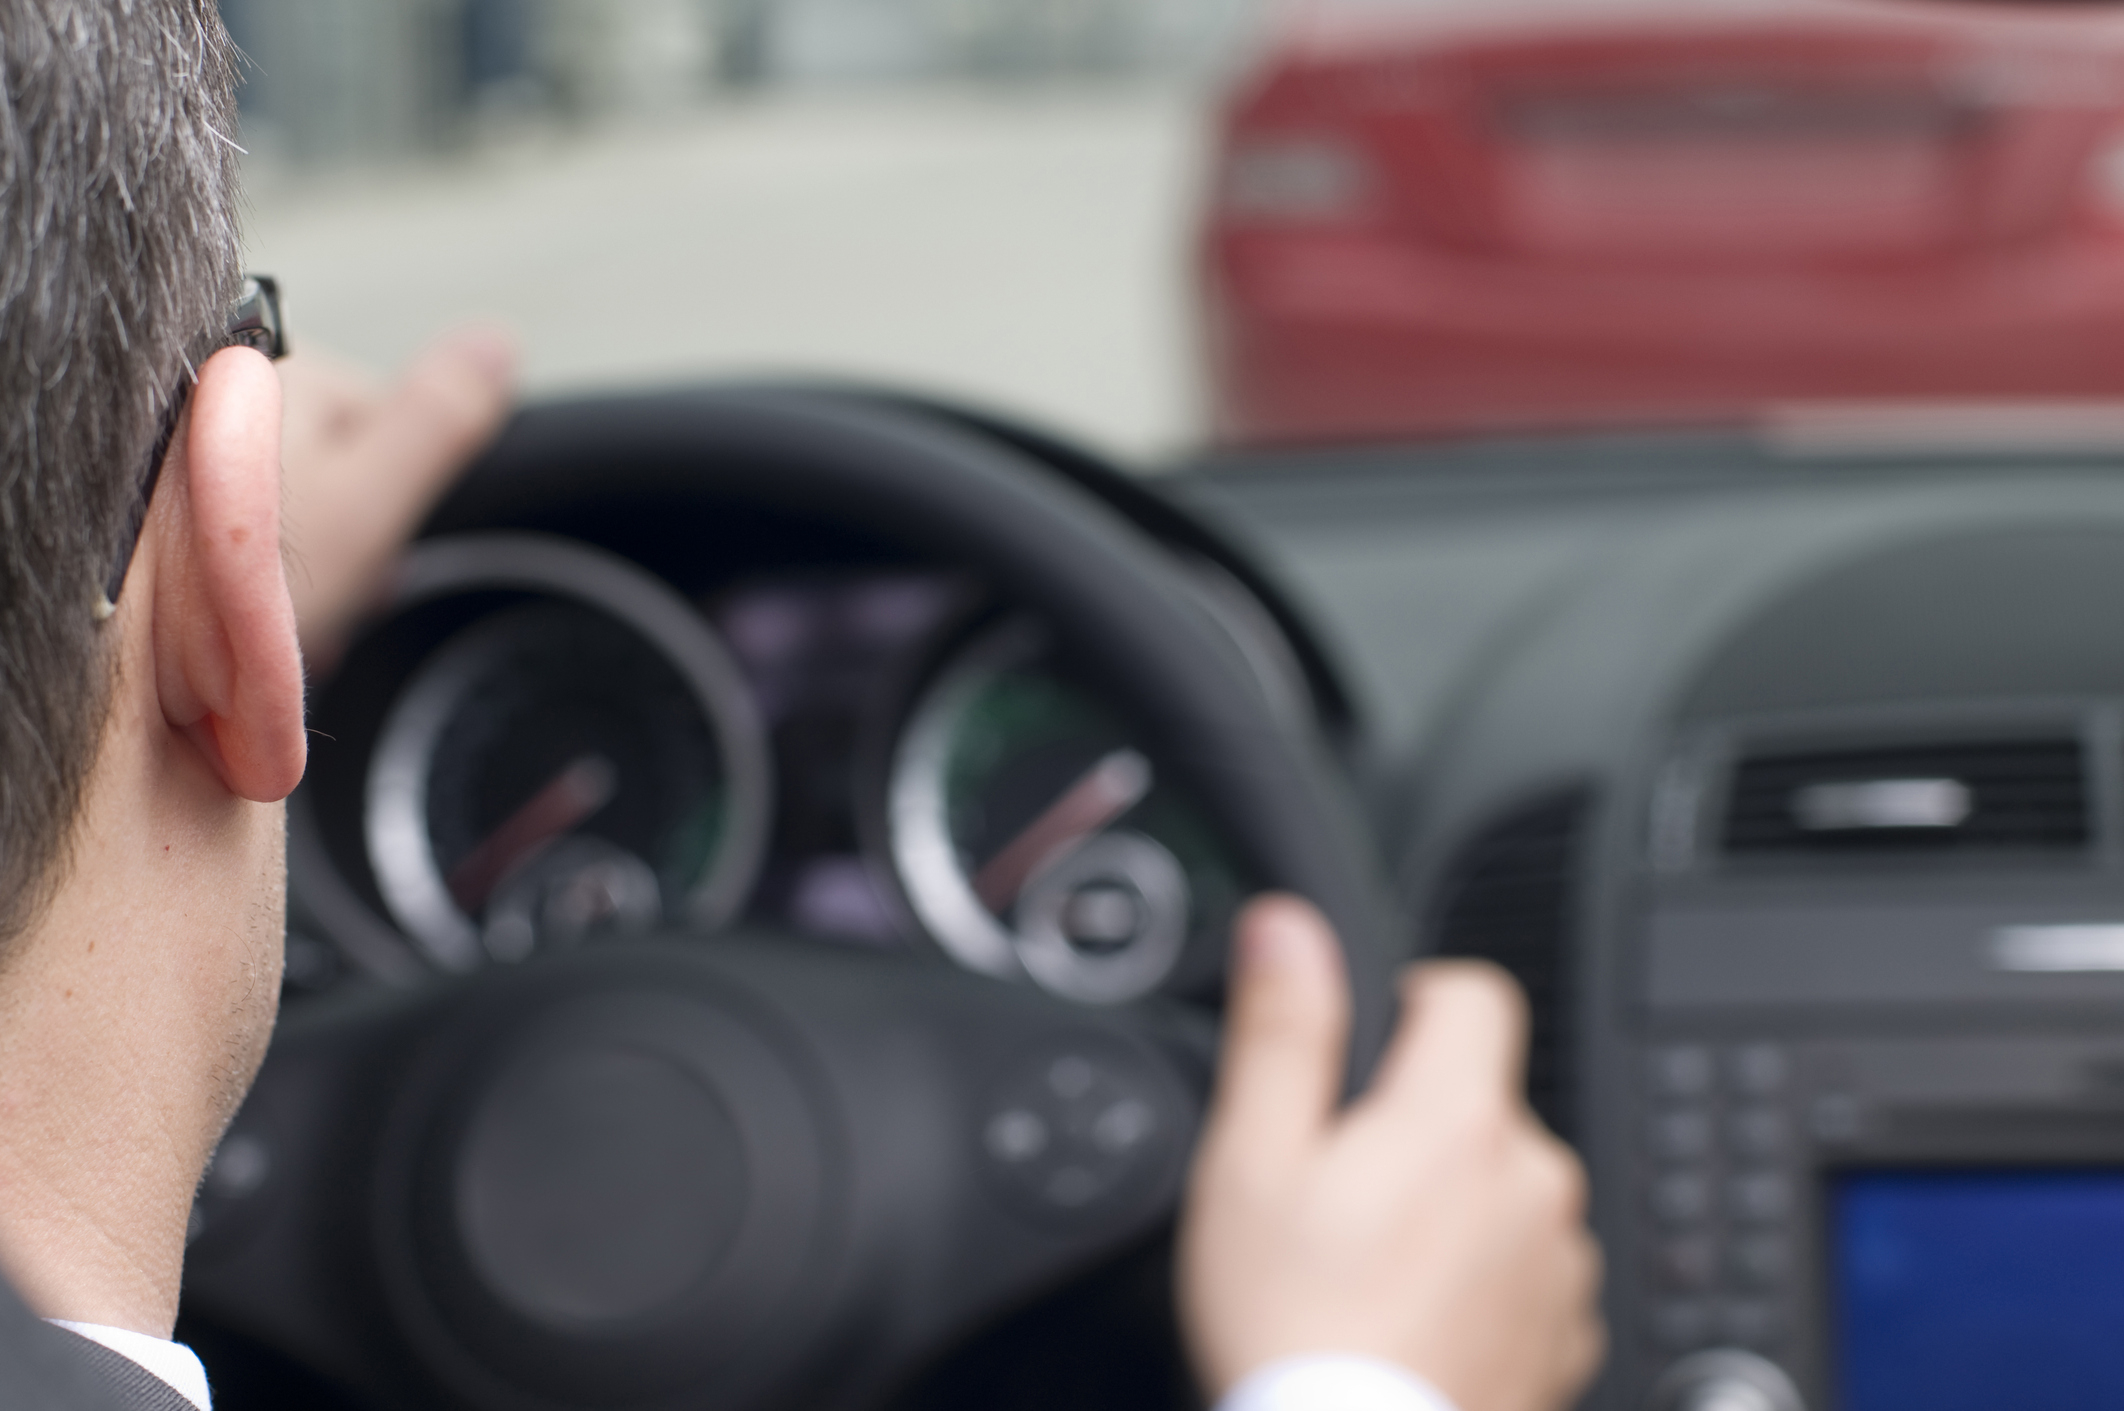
(758, 1172)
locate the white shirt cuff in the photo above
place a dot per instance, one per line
(172, 1361)
(1333, 1381)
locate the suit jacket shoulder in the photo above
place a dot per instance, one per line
(120, 1380)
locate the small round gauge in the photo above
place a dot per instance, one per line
(1033, 836)
(582, 762)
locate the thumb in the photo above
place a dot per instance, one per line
(1285, 1027)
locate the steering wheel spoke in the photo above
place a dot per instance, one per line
(701, 1174)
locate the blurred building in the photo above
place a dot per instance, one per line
(337, 80)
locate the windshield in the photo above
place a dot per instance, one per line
(1165, 225)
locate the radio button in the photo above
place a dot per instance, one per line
(1727, 1379)
(1837, 1118)
(1759, 1261)
(1757, 1069)
(1751, 1322)
(1680, 1324)
(1681, 1070)
(1689, 1264)
(1681, 1134)
(1681, 1198)
(1760, 1198)
(1757, 1132)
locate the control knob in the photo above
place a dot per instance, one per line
(1725, 1380)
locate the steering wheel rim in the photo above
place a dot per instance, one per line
(1052, 547)
(433, 1112)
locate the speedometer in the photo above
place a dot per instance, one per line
(1033, 834)
(579, 760)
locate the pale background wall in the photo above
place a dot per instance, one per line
(991, 199)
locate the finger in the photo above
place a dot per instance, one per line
(1463, 1031)
(445, 408)
(1570, 1173)
(1285, 1028)
(367, 493)
(1585, 1345)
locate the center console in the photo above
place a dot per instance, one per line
(1863, 1145)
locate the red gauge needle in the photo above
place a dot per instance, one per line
(1103, 793)
(572, 795)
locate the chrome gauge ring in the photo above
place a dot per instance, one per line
(581, 760)
(1031, 835)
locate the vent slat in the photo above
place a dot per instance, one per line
(2021, 795)
(1508, 899)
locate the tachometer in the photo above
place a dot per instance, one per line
(580, 761)
(1033, 835)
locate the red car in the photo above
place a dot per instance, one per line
(1438, 218)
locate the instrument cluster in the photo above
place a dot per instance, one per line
(543, 746)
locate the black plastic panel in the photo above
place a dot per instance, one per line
(1508, 899)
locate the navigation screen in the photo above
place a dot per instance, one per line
(1978, 1290)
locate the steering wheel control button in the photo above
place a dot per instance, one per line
(1016, 1136)
(1725, 1379)
(1124, 1126)
(1073, 1127)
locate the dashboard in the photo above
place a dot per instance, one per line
(1788, 781)
(1784, 781)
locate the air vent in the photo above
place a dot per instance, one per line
(1959, 797)
(1508, 898)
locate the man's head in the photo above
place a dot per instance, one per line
(143, 753)
(118, 256)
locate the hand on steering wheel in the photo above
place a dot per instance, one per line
(1433, 1224)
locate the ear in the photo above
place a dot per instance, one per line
(227, 668)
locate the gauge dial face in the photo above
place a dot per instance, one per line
(1034, 838)
(553, 774)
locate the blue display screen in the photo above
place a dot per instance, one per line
(1978, 1290)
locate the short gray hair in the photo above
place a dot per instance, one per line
(119, 257)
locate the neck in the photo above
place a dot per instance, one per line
(118, 1071)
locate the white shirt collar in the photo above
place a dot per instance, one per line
(172, 1361)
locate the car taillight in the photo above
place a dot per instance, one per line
(1294, 178)
(2105, 177)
